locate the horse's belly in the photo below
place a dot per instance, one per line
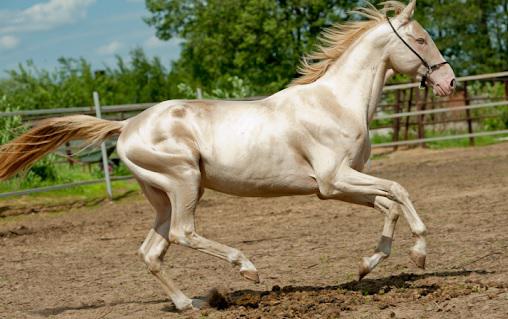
(259, 183)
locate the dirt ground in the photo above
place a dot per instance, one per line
(83, 263)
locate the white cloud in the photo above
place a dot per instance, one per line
(8, 42)
(44, 16)
(154, 42)
(110, 48)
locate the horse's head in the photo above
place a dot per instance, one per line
(412, 52)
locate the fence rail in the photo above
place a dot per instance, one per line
(488, 76)
(61, 186)
(400, 118)
(440, 110)
(80, 110)
(440, 138)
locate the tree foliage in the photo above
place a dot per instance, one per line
(72, 83)
(472, 34)
(257, 43)
(261, 41)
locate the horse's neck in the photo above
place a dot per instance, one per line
(358, 77)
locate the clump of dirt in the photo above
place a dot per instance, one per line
(16, 231)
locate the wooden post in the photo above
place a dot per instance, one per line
(68, 152)
(433, 116)
(409, 104)
(506, 89)
(396, 121)
(468, 115)
(421, 106)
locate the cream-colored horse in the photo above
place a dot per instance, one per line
(311, 138)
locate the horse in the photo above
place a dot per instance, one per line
(310, 138)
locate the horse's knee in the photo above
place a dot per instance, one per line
(334, 189)
(181, 237)
(326, 190)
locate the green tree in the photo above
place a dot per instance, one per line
(73, 81)
(472, 34)
(260, 41)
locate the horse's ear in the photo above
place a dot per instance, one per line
(408, 12)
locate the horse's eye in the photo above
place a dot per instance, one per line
(420, 41)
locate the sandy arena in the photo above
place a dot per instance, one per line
(83, 264)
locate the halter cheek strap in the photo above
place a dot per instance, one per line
(430, 68)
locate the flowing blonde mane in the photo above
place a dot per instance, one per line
(337, 39)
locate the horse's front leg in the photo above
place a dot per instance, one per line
(384, 247)
(352, 186)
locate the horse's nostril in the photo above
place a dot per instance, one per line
(452, 83)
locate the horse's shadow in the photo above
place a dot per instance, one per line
(252, 298)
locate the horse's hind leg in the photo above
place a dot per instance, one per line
(184, 197)
(353, 186)
(384, 247)
(156, 244)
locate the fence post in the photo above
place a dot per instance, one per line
(68, 152)
(408, 118)
(468, 115)
(396, 122)
(199, 93)
(105, 164)
(422, 105)
(506, 89)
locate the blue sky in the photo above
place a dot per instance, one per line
(44, 30)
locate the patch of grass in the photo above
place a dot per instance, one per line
(324, 259)
(81, 196)
(381, 138)
(380, 156)
(48, 172)
(464, 142)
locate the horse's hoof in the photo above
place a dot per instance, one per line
(198, 303)
(418, 259)
(364, 269)
(251, 275)
(187, 307)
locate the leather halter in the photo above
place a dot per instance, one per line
(430, 68)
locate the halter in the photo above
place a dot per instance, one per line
(430, 68)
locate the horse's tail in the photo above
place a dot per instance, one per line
(47, 135)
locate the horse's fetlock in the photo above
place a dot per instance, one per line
(236, 257)
(141, 253)
(153, 262)
(420, 231)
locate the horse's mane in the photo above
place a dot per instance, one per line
(336, 40)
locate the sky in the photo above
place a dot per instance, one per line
(97, 30)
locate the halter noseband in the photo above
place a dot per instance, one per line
(430, 68)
